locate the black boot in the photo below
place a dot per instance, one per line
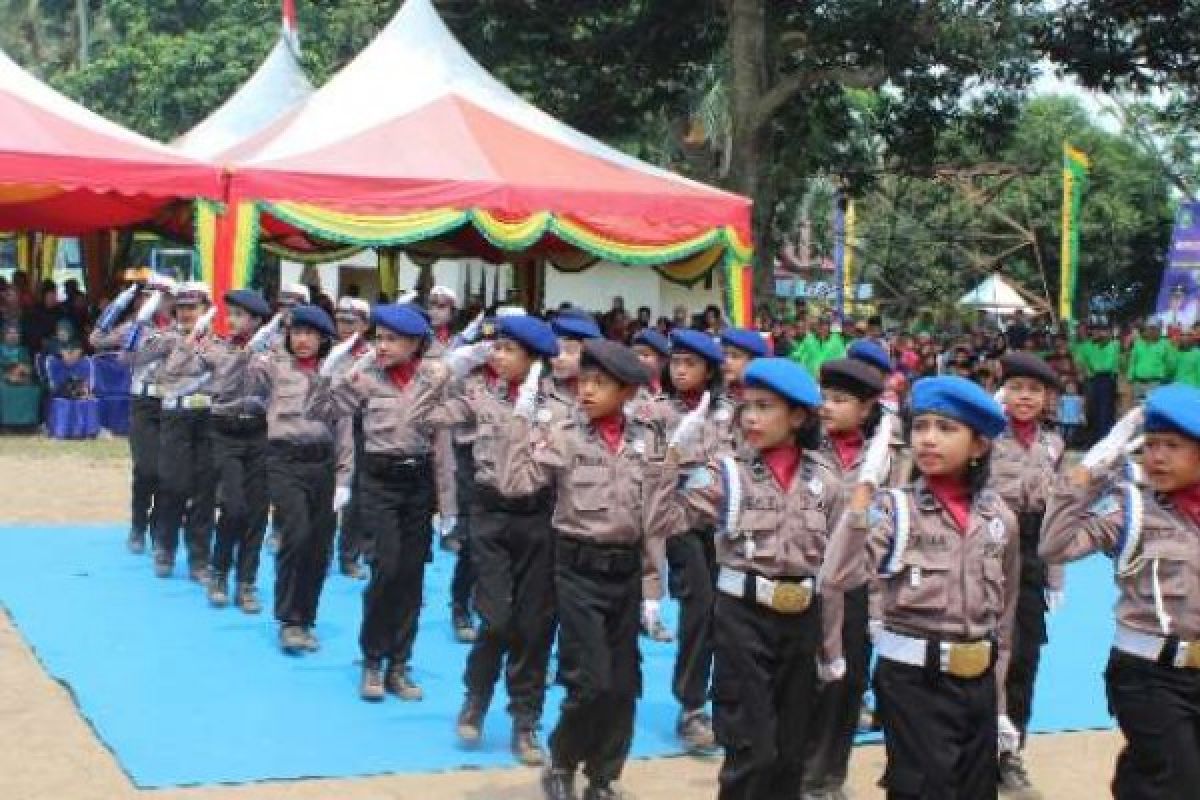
(400, 683)
(464, 627)
(164, 564)
(600, 791)
(247, 599)
(136, 543)
(218, 590)
(558, 784)
(470, 719)
(525, 746)
(371, 688)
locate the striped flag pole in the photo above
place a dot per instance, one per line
(291, 30)
(1075, 171)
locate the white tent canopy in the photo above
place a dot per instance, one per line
(997, 296)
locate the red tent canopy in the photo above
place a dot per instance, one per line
(67, 171)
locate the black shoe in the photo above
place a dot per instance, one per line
(351, 569)
(1014, 780)
(525, 746)
(247, 599)
(199, 575)
(273, 543)
(218, 591)
(695, 728)
(136, 543)
(464, 627)
(311, 643)
(371, 689)
(293, 640)
(558, 784)
(600, 792)
(470, 720)
(401, 684)
(163, 565)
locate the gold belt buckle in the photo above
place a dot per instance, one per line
(790, 598)
(1192, 660)
(968, 660)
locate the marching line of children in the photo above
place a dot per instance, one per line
(573, 470)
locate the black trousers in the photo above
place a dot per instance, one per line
(144, 420)
(397, 507)
(599, 596)
(1158, 710)
(1029, 626)
(301, 481)
(764, 693)
(940, 733)
(839, 703)
(1101, 405)
(241, 467)
(462, 583)
(691, 579)
(186, 487)
(514, 595)
(352, 536)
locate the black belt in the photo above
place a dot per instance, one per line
(606, 559)
(381, 464)
(491, 500)
(309, 452)
(239, 424)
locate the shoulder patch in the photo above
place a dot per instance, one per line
(1104, 506)
(698, 478)
(544, 415)
(996, 529)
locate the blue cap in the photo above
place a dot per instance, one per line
(699, 343)
(654, 340)
(784, 377)
(871, 352)
(314, 317)
(531, 333)
(404, 320)
(1174, 408)
(960, 399)
(249, 301)
(746, 339)
(575, 324)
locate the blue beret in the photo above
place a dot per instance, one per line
(249, 301)
(870, 352)
(575, 324)
(784, 377)
(314, 317)
(654, 340)
(959, 399)
(746, 339)
(531, 333)
(699, 343)
(404, 320)
(1174, 408)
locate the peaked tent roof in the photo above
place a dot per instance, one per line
(995, 294)
(278, 86)
(66, 170)
(414, 123)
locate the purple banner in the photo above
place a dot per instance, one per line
(1179, 295)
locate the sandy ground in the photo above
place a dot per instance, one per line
(49, 751)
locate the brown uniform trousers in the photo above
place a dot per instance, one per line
(938, 585)
(1153, 692)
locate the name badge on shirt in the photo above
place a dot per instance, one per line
(1104, 506)
(996, 529)
(816, 486)
(544, 415)
(722, 415)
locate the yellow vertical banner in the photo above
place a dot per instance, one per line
(389, 271)
(1075, 170)
(848, 285)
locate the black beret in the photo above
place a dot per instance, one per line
(851, 375)
(616, 359)
(1020, 364)
(249, 301)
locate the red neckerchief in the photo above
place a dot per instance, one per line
(307, 364)
(611, 430)
(783, 461)
(1187, 502)
(359, 348)
(511, 389)
(442, 332)
(1025, 432)
(401, 374)
(735, 391)
(847, 445)
(239, 339)
(691, 398)
(162, 321)
(952, 493)
(655, 386)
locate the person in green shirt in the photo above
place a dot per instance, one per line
(1151, 361)
(1187, 365)
(20, 395)
(1099, 360)
(828, 344)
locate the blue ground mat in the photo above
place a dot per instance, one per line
(186, 695)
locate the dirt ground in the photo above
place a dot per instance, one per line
(49, 751)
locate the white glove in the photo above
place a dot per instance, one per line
(874, 629)
(1008, 738)
(262, 338)
(1000, 395)
(691, 426)
(526, 402)
(1055, 600)
(1135, 444)
(833, 671)
(364, 361)
(471, 332)
(1106, 452)
(203, 324)
(149, 308)
(341, 496)
(876, 458)
(116, 308)
(448, 524)
(407, 297)
(461, 360)
(651, 618)
(337, 356)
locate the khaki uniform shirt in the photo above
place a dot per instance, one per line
(232, 391)
(1024, 477)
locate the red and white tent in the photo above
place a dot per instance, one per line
(414, 144)
(68, 171)
(277, 87)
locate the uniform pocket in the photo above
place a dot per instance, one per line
(923, 584)
(993, 584)
(590, 489)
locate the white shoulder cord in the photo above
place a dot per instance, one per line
(895, 558)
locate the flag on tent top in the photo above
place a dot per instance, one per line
(291, 31)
